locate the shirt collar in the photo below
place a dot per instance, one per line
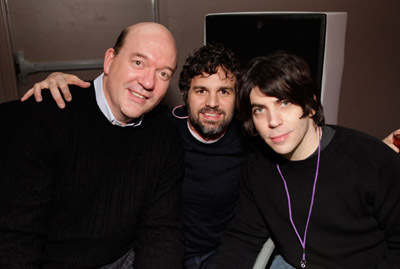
(105, 108)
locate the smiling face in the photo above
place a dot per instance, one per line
(137, 78)
(281, 125)
(211, 104)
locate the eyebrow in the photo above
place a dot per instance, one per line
(261, 105)
(227, 88)
(204, 87)
(256, 105)
(145, 57)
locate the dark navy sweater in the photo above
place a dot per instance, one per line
(210, 185)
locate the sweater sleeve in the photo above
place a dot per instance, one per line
(160, 241)
(387, 208)
(245, 238)
(25, 183)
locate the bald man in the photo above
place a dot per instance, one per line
(98, 183)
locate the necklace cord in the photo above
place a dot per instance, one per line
(303, 241)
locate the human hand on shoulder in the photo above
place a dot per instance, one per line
(57, 83)
(389, 141)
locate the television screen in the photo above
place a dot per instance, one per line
(317, 37)
(258, 34)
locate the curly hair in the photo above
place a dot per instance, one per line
(284, 76)
(206, 60)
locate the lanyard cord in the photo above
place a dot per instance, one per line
(303, 241)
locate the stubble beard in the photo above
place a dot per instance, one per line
(208, 129)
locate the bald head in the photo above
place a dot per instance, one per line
(146, 28)
(137, 71)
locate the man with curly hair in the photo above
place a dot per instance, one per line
(214, 150)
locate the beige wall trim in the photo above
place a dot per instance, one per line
(8, 79)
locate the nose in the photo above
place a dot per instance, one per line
(212, 100)
(274, 118)
(147, 78)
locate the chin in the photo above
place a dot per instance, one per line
(134, 113)
(279, 149)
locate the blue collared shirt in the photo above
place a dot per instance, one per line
(105, 108)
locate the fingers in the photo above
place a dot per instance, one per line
(389, 141)
(53, 86)
(72, 79)
(58, 84)
(63, 86)
(394, 147)
(28, 94)
(37, 90)
(60, 81)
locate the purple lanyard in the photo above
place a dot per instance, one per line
(303, 241)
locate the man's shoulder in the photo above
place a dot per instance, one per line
(11, 112)
(9, 106)
(83, 100)
(359, 146)
(355, 138)
(17, 111)
(159, 113)
(80, 92)
(158, 120)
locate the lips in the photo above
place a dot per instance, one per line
(279, 138)
(137, 91)
(138, 95)
(211, 114)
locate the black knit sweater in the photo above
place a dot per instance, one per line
(210, 186)
(79, 192)
(355, 221)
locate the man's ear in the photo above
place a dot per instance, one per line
(312, 113)
(108, 58)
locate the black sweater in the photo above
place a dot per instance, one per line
(210, 186)
(355, 222)
(79, 192)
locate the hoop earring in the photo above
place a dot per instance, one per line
(176, 116)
